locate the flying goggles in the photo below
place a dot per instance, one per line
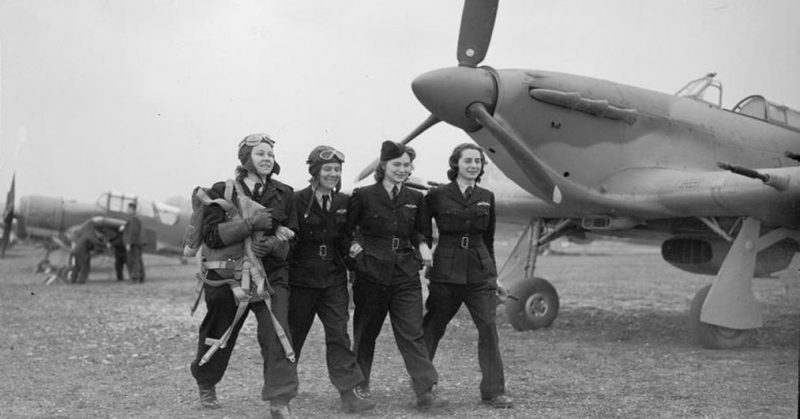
(330, 153)
(253, 140)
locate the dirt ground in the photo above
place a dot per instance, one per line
(619, 348)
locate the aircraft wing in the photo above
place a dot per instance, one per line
(773, 199)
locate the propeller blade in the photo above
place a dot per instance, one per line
(477, 24)
(8, 217)
(427, 123)
(530, 164)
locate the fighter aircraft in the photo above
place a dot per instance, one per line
(52, 218)
(721, 186)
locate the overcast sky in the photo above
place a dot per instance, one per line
(152, 97)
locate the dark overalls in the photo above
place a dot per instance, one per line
(120, 254)
(318, 282)
(464, 271)
(280, 375)
(387, 277)
(85, 243)
(132, 235)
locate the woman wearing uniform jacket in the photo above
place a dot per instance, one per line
(223, 239)
(464, 269)
(392, 232)
(318, 274)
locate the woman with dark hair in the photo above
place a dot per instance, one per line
(246, 230)
(318, 273)
(392, 232)
(464, 270)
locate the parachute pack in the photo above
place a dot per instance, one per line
(193, 237)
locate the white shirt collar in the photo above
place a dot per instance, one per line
(319, 196)
(389, 185)
(462, 186)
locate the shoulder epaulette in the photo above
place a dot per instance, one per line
(281, 186)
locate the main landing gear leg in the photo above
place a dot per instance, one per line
(531, 302)
(723, 313)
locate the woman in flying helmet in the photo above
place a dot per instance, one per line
(318, 273)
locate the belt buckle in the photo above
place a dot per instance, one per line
(395, 243)
(323, 250)
(464, 242)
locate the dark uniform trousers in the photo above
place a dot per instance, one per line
(318, 282)
(464, 272)
(135, 264)
(280, 375)
(331, 305)
(83, 261)
(132, 236)
(402, 299)
(444, 301)
(120, 259)
(387, 277)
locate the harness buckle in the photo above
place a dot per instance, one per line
(395, 243)
(464, 242)
(323, 250)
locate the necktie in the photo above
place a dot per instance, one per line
(325, 202)
(468, 192)
(394, 192)
(257, 191)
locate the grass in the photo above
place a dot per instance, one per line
(619, 348)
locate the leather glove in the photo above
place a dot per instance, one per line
(261, 220)
(263, 247)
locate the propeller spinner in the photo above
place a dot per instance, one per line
(465, 96)
(477, 24)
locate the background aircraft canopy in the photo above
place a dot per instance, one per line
(118, 202)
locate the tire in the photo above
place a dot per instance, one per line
(532, 304)
(708, 335)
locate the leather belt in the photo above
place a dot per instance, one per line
(323, 251)
(394, 243)
(463, 241)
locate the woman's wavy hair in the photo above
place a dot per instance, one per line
(380, 171)
(455, 156)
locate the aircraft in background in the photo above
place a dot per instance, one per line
(721, 187)
(53, 219)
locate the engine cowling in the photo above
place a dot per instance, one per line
(704, 254)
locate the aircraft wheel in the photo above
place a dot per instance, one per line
(708, 335)
(532, 304)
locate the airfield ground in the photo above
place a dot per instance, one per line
(619, 348)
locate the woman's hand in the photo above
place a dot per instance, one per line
(427, 256)
(284, 233)
(355, 249)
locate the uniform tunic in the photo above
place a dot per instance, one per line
(318, 282)
(464, 271)
(280, 375)
(387, 277)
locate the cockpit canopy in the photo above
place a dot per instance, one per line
(704, 89)
(759, 107)
(118, 202)
(708, 90)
